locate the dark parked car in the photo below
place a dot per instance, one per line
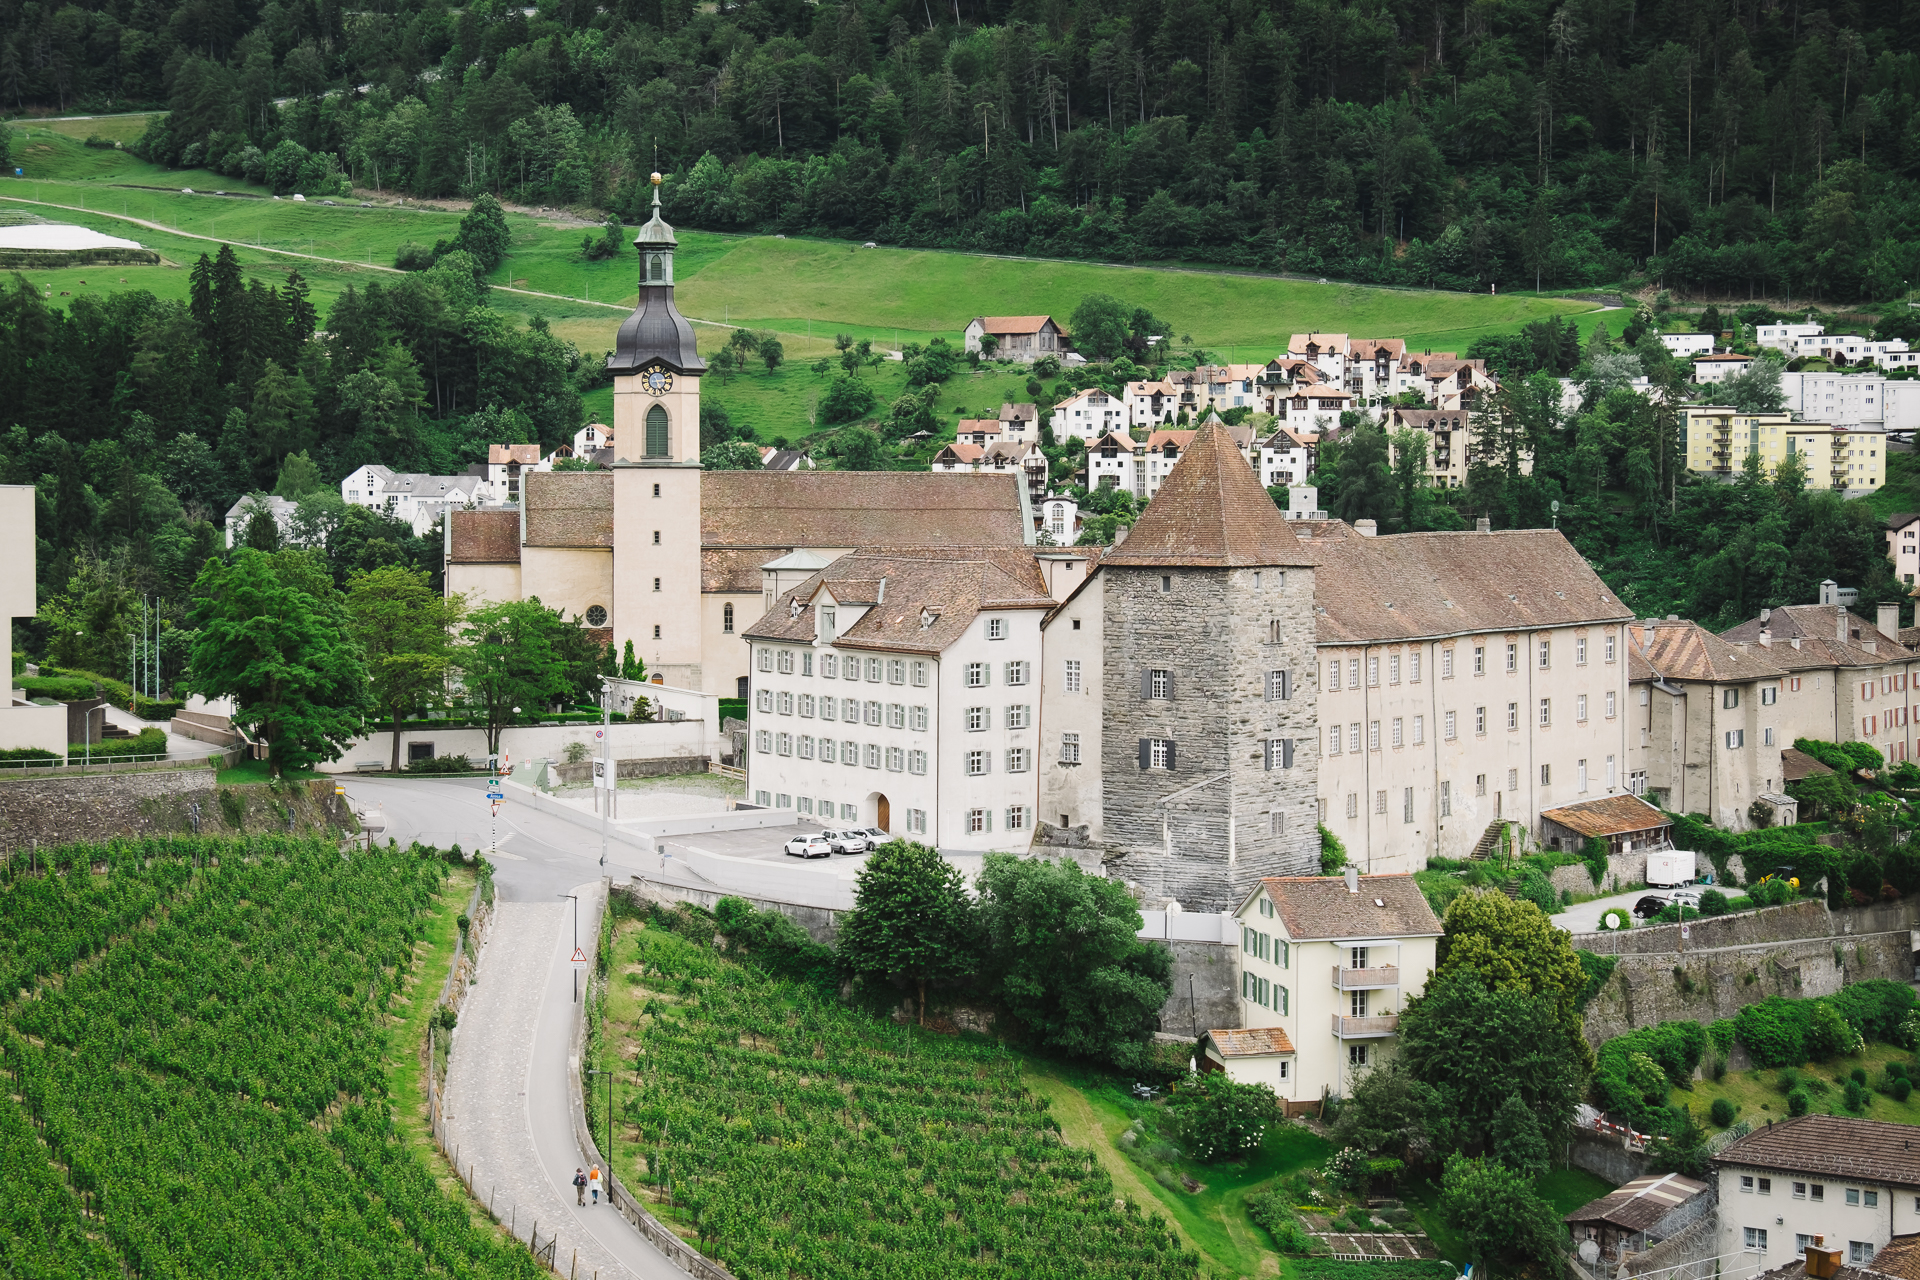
(1649, 906)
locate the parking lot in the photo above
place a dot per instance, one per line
(764, 842)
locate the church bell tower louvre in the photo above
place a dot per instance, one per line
(656, 369)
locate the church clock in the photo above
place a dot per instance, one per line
(657, 381)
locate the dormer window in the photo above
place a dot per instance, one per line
(927, 617)
(657, 268)
(793, 608)
(827, 627)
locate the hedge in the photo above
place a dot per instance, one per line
(150, 742)
(120, 694)
(1785, 1033)
(1632, 1072)
(58, 688)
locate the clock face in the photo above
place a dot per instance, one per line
(658, 381)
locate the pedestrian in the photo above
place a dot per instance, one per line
(593, 1180)
(580, 1185)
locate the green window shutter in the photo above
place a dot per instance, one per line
(657, 432)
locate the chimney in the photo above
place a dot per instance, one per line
(1766, 638)
(1765, 614)
(1353, 879)
(1822, 1263)
(1366, 528)
(1120, 534)
(1483, 525)
(1796, 642)
(1840, 624)
(1889, 621)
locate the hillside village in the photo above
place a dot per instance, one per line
(1601, 898)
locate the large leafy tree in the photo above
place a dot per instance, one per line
(1513, 947)
(1063, 958)
(1497, 1211)
(274, 634)
(911, 919)
(405, 628)
(510, 663)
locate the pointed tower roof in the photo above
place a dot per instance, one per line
(1212, 513)
(656, 332)
(656, 234)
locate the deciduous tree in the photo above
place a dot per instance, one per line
(405, 628)
(911, 919)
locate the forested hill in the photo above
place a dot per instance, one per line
(1759, 147)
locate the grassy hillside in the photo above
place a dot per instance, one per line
(806, 290)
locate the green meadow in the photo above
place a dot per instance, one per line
(805, 290)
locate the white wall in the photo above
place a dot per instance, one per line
(31, 726)
(530, 742)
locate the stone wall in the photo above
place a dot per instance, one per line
(61, 809)
(1806, 918)
(1608, 1158)
(575, 775)
(1204, 988)
(1204, 830)
(821, 923)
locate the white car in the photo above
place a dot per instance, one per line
(850, 841)
(875, 836)
(809, 846)
(1685, 898)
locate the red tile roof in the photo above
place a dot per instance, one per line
(1211, 512)
(485, 537)
(1608, 816)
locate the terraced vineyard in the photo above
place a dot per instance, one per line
(800, 1137)
(193, 1036)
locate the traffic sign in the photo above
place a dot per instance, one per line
(496, 795)
(579, 956)
(599, 733)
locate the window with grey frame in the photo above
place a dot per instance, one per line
(1156, 684)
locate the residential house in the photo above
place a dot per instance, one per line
(1375, 938)
(1445, 381)
(1116, 461)
(1003, 459)
(1059, 517)
(592, 438)
(1710, 718)
(1685, 346)
(1020, 423)
(1899, 1259)
(898, 689)
(1851, 349)
(1782, 337)
(1312, 408)
(1110, 462)
(1373, 365)
(1854, 1182)
(1327, 352)
(505, 462)
(961, 455)
(1719, 439)
(1903, 545)
(1024, 338)
(1639, 1214)
(241, 513)
(1151, 404)
(1287, 457)
(1450, 443)
(1847, 679)
(1088, 415)
(979, 431)
(785, 460)
(1710, 370)
(1157, 458)
(1852, 400)
(423, 500)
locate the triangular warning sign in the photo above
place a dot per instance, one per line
(579, 956)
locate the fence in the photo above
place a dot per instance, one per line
(678, 1251)
(113, 764)
(1190, 926)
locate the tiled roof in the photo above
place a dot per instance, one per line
(1368, 348)
(1411, 585)
(1796, 764)
(1681, 650)
(923, 598)
(1013, 324)
(842, 509)
(1608, 816)
(732, 571)
(1432, 419)
(1023, 412)
(1816, 627)
(568, 508)
(485, 537)
(978, 426)
(1335, 342)
(1179, 439)
(524, 454)
(1250, 1042)
(1902, 520)
(1639, 1204)
(1289, 438)
(1212, 512)
(1120, 439)
(1797, 1269)
(961, 451)
(1899, 1257)
(1320, 908)
(1723, 358)
(1836, 1146)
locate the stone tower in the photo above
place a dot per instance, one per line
(1210, 726)
(656, 487)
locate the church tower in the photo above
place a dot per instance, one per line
(656, 482)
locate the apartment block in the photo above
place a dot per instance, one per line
(1719, 440)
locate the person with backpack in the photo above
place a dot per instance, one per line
(580, 1185)
(593, 1181)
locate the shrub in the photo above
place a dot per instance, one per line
(413, 257)
(1798, 1103)
(440, 764)
(1858, 1074)
(1271, 1210)
(1772, 1032)
(24, 757)
(1333, 854)
(1713, 903)
(1616, 920)
(1901, 1088)
(149, 742)
(1221, 1118)
(1879, 1008)
(1535, 889)
(58, 688)
(1722, 1112)
(1346, 1168)
(1857, 1096)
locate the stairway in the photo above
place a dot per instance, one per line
(1491, 840)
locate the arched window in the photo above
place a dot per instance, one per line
(726, 619)
(657, 268)
(656, 432)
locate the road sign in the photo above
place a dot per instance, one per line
(579, 956)
(600, 773)
(599, 733)
(339, 790)
(496, 796)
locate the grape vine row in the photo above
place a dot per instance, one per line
(198, 1089)
(805, 1138)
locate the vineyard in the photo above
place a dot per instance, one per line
(194, 1038)
(799, 1137)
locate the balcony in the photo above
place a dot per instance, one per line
(1383, 975)
(1385, 1024)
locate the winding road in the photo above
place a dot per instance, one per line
(506, 1095)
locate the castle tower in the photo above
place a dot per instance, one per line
(1210, 730)
(656, 486)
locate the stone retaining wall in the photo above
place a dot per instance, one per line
(60, 809)
(575, 775)
(1607, 1158)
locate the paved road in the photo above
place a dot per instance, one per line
(506, 1080)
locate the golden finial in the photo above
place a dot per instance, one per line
(655, 179)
